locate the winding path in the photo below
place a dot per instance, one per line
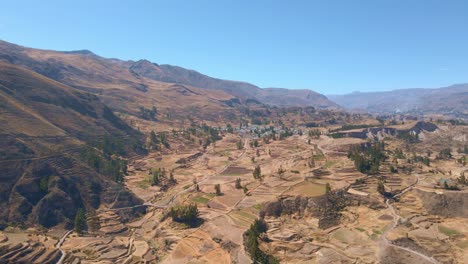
(59, 246)
(396, 218)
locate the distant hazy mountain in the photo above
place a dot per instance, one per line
(451, 100)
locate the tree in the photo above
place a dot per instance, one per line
(252, 244)
(163, 140)
(257, 173)
(240, 145)
(229, 128)
(254, 143)
(238, 183)
(446, 186)
(217, 189)
(172, 179)
(246, 190)
(80, 221)
(155, 177)
(445, 154)
(44, 184)
(381, 187)
(187, 214)
(327, 188)
(153, 140)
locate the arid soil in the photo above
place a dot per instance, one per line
(421, 224)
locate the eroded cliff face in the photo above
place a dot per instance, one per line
(326, 208)
(447, 204)
(382, 132)
(50, 191)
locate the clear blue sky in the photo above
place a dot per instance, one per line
(327, 46)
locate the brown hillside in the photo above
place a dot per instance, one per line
(44, 127)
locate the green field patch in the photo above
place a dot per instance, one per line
(143, 185)
(330, 163)
(241, 218)
(448, 231)
(318, 157)
(246, 215)
(360, 229)
(200, 199)
(258, 207)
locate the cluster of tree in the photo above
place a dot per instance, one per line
(110, 166)
(445, 154)
(453, 187)
(212, 135)
(148, 114)
(153, 141)
(238, 185)
(367, 157)
(285, 133)
(311, 124)
(424, 160)
(254, 143)
(408, 136)
(158, 177)
(229, 128)
(458, 122)
(163, 140)
(314, 133)
(111, 146)
(257, 172)
(398, 153)
(187, 214)
(251, 237)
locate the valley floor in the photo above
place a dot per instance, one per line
(370, 231)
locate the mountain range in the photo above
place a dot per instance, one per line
(451, 100)
(90, 72)
(58, 108)
(62, 102)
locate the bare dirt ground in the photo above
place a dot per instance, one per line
(404, 230)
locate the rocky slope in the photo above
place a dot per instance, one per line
(45, 125)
